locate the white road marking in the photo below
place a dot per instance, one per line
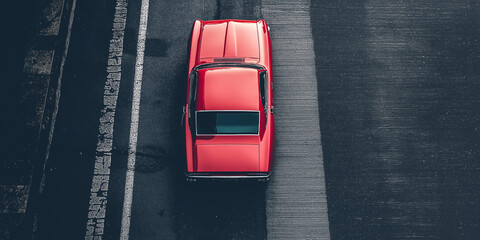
(296, 203)
(132, 146)
(103, 155)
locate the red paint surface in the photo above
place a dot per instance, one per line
(228, 89)
(227, 158)
(229, 39)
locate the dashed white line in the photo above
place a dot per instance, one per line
(132, 146)
(103, 155)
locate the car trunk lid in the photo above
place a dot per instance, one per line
(227, 157)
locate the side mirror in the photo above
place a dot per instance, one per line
(184, 111)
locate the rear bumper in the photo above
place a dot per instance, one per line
(228, 176)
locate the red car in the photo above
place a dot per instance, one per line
(228, 115)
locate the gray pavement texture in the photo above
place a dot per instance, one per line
(399, 86)
(296, 203)
(69, 167)
(33, 52)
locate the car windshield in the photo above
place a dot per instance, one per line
(225, 122)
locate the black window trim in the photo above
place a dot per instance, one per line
(266, 90)
(192, 97)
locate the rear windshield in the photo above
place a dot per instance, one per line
(224, 122)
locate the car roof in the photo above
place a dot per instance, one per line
(228, 88)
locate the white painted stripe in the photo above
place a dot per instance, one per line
(132, 146)
(101, 173)
(296, 204)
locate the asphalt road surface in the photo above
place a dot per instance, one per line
(378, 119)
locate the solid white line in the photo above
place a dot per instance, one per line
(132, 146)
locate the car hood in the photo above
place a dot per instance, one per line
(229, 41)
(227, 157)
